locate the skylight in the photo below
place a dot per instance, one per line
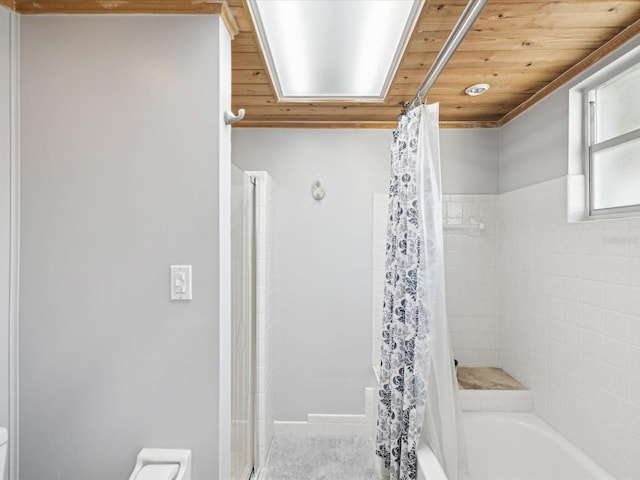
(333, 49)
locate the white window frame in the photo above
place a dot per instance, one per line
(592, 146)
(580, 135)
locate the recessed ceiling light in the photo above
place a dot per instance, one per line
(477, 89)
(328, 49)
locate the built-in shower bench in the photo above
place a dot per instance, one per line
(492, 389)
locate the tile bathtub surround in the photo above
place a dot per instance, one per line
(496, 400)
(471, 285)
(556, 305)
(570, 320)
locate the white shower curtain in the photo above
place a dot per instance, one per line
(417, 380)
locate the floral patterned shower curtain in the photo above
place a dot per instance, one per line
(414, 293)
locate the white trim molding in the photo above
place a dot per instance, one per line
(14, 251)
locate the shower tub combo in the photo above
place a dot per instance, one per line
(514, 446)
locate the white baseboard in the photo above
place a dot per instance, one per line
(319, 424)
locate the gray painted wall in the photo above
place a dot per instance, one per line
(5, 217)
(469, 160)
(534, 147)
(322, 250)
(120, 171)
(322, 261)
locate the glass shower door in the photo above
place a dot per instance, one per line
(242, 324)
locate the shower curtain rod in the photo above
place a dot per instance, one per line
(460, 29)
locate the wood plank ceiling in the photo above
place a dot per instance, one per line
(523, 49)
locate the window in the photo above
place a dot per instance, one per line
(612, 137)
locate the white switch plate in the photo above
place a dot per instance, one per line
(181, 282)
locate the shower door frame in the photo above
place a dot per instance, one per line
(243, 430)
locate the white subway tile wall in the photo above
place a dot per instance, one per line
(555, 304)
(570, 320)
(471, 278)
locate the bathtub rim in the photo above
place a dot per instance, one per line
(536, 422)
(429, 466)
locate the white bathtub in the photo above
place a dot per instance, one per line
(514, 446)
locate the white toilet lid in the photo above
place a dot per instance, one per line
(161, 471)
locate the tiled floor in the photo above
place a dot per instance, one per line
(321, 458)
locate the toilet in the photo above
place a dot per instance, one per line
(4, 438)
(162, 464)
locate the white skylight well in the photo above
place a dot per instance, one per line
(333, 49)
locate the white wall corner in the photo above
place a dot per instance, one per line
(224, 273)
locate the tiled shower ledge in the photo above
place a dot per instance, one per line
(493, 390)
